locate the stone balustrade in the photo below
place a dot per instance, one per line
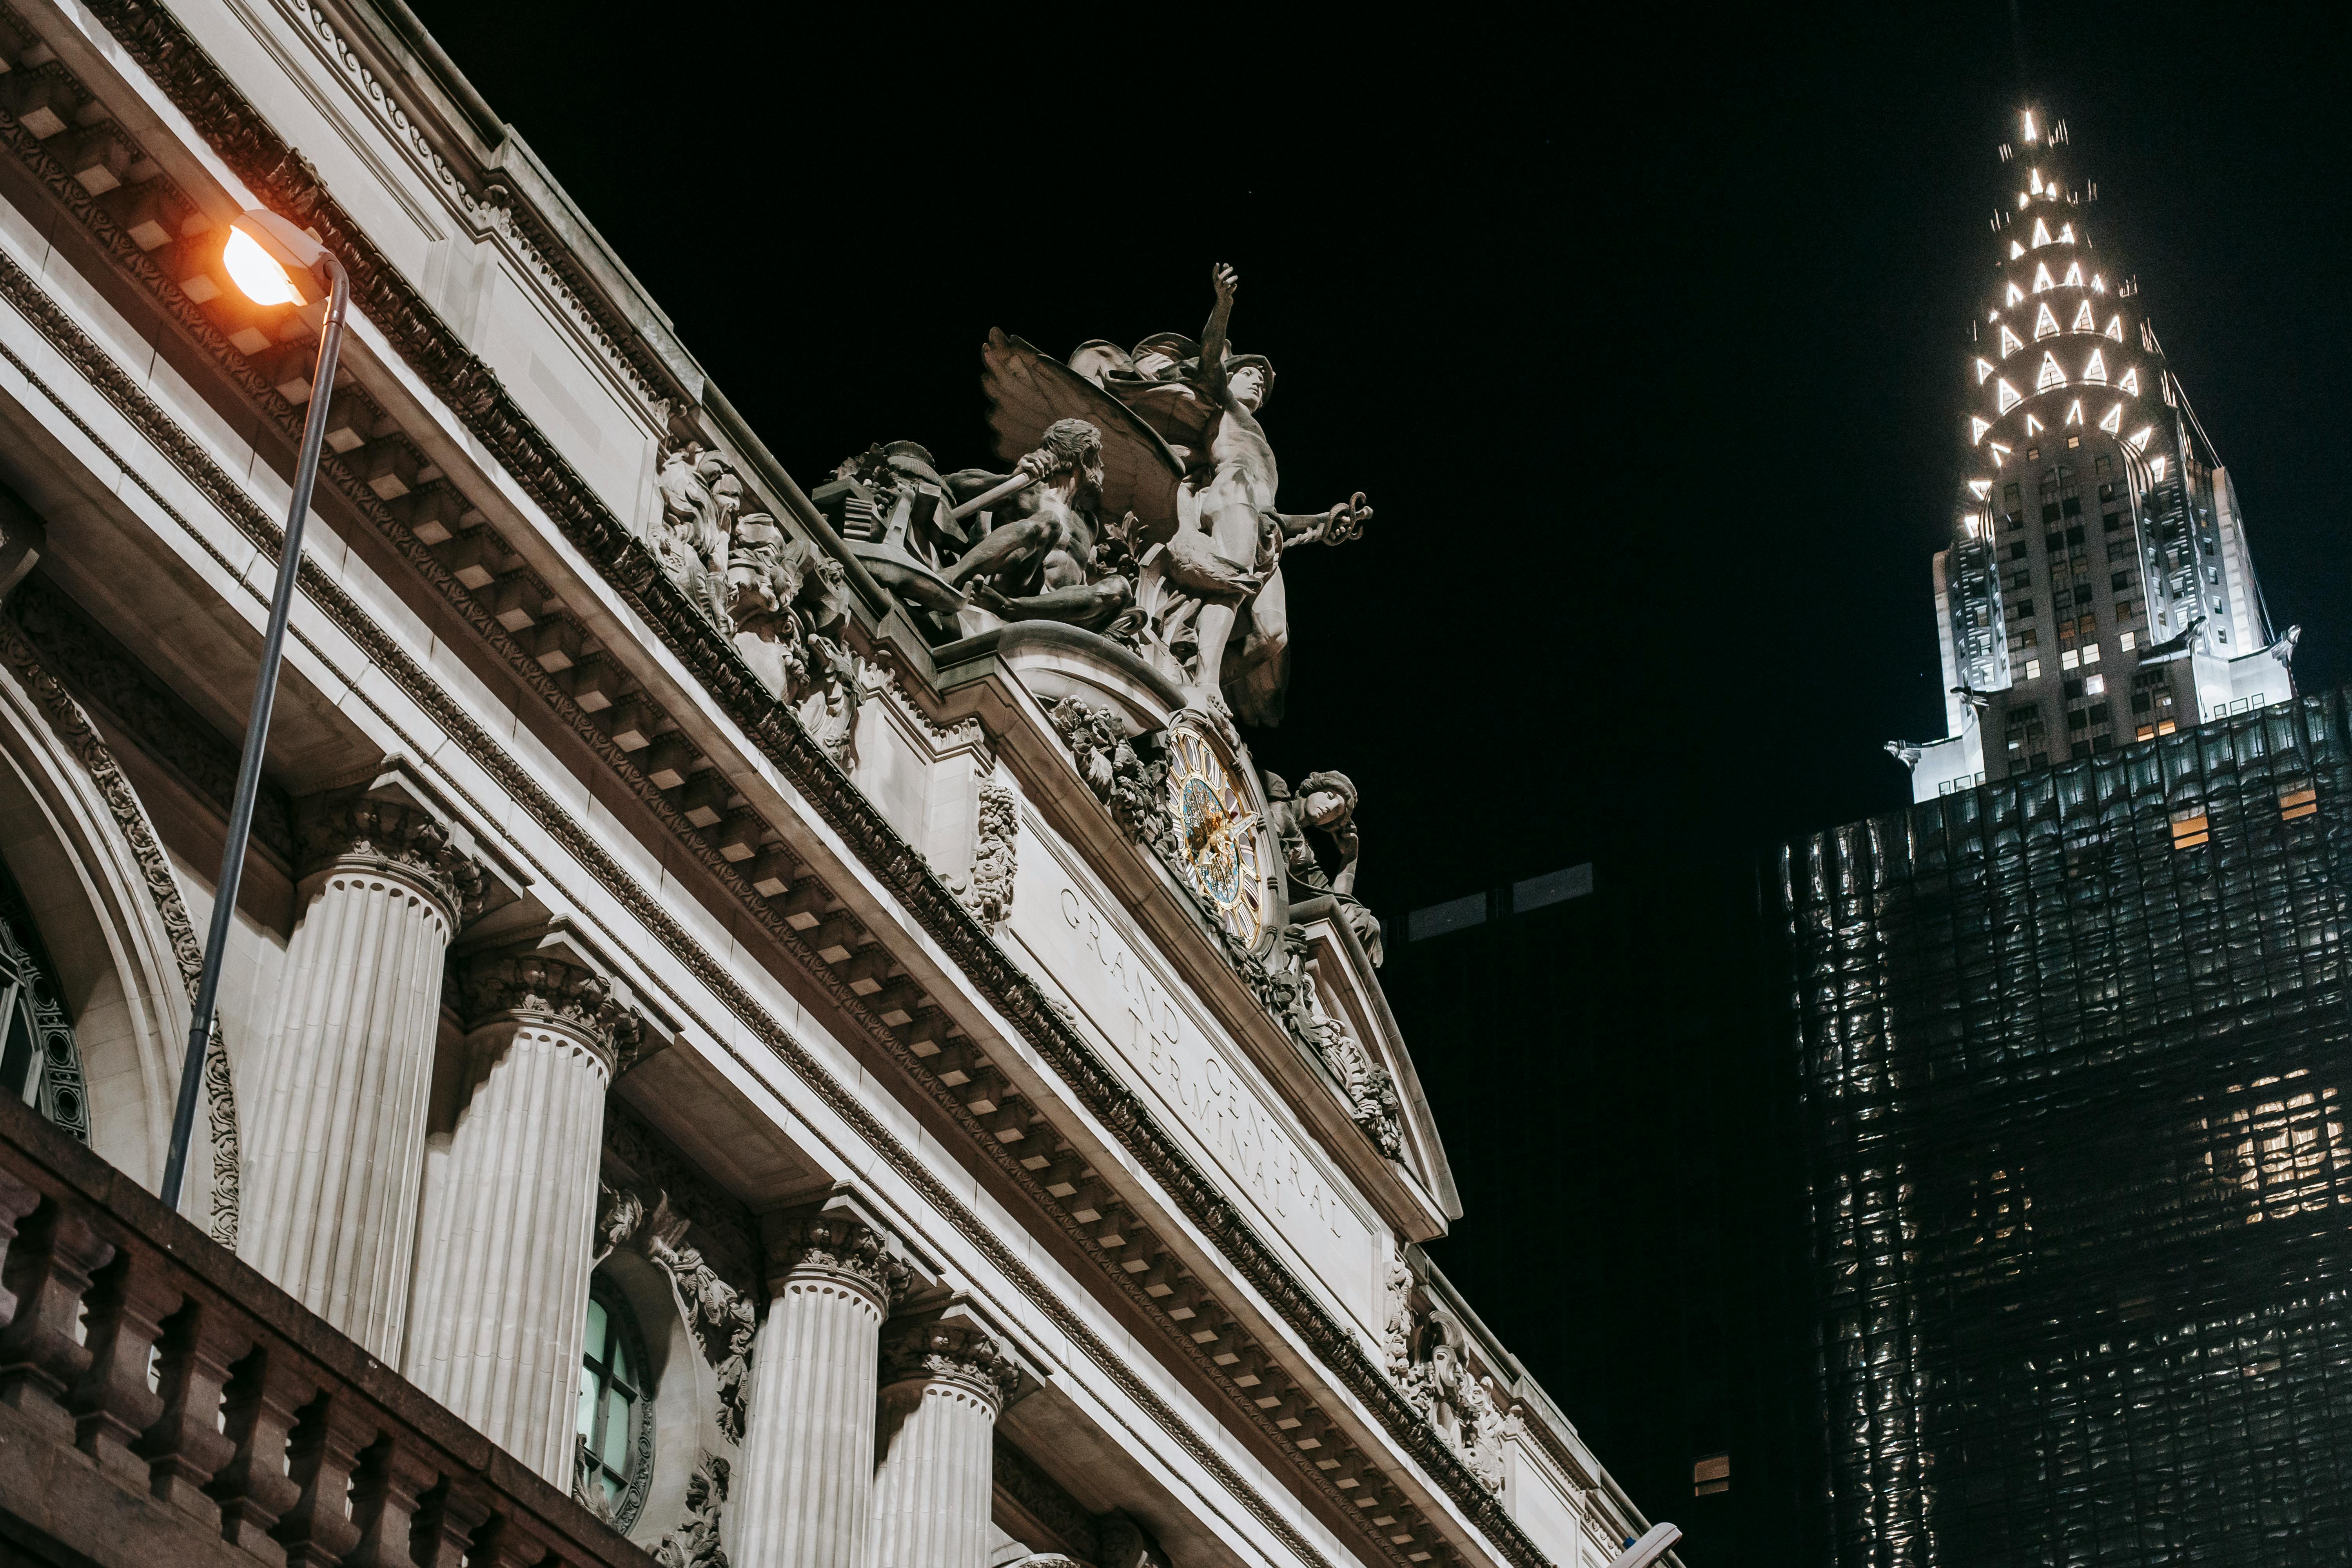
(261, 1434)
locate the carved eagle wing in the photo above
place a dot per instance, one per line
(1027, 391)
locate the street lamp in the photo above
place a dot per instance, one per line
(274, 263)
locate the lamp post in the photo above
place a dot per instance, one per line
(274, 263)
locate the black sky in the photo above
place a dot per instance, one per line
(1643, 331)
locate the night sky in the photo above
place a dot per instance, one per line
(1646, 345)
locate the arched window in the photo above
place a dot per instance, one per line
(40, 1062)
(615, 1455)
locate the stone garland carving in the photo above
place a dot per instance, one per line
(694, 1543)
(720, 1316)
(988, 890)
(236, 132)
(1118, 771)
(81, 740)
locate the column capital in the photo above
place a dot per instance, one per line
(836, 1239)
(950, 1347)
(553, 976)
(392, 822)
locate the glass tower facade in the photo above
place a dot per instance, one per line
(2074, 1049)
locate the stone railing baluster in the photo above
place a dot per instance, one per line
(254, 1489)
(16, 1201)
(451, 1515)
(184, 1447)
(48, 1270)
(394, 1476)
(323, 1451)
(112, 1404)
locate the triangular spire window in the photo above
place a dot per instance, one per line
(1984, 368)
(2015, 250)
(2051, 374)
(2113, 421)
(2041, 233)
(2130, 382)
(1980, 487)
(2032, 426)
(2007, 395)
(2115, 327)
(2013, 295)
(2096, 372)
(2073, 279)
(2084, 321)
(1978, 425)
(2042, 279)
(2139, 439)
(2066, 236)
(2075, 412)
(2010, 344)
(2045, 325)
(1999, 454)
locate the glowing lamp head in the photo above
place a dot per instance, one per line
(271, 261)
(257, 272)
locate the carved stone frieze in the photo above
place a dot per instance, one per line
(369, 826)
(951, 1349)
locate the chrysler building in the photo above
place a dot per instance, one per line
(2097, 589)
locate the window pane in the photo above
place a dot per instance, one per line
(617, 1430)
(622, 1372)
(596, 1330)
(588, 1403)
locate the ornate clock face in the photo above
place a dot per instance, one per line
(1221, 833)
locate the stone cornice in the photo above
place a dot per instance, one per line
(236, 131)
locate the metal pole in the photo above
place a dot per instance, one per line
(256, 733)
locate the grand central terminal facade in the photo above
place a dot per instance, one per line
(765, 1023)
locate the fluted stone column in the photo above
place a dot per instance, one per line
(943, 1382)
(501, 1297)
(803, 1491)
(335, 1142)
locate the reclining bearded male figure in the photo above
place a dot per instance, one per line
(1036, 560)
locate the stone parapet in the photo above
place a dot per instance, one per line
(270, 1436)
